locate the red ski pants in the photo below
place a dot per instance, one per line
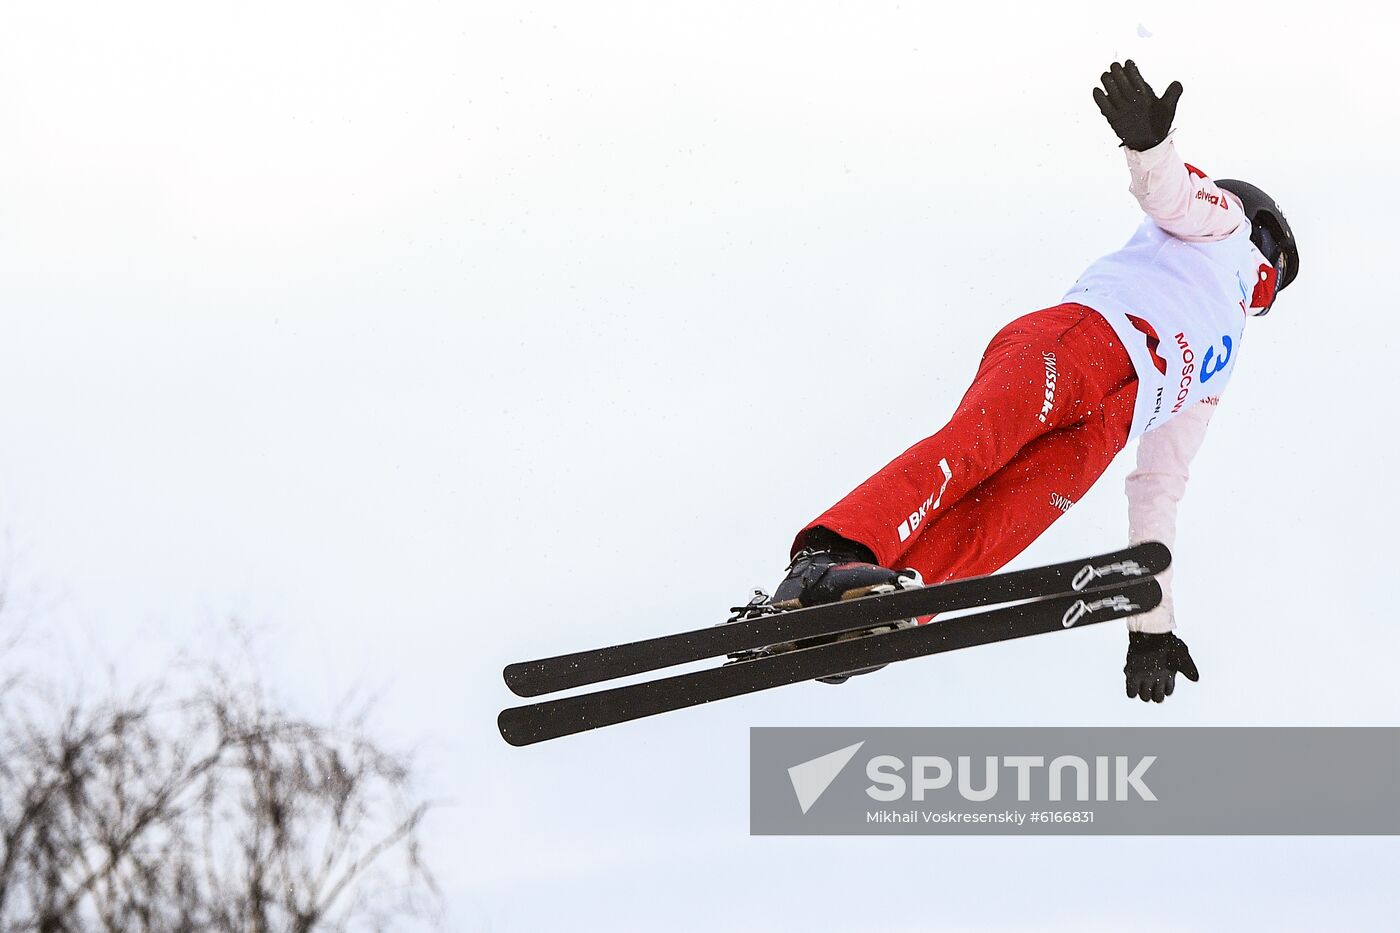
(1051, 405)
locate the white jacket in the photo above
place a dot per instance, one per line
(1182, 201)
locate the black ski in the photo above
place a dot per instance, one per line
(538, 722)
(532, 678)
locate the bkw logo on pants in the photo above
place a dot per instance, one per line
(910, 525)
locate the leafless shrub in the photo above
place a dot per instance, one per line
(207, 809)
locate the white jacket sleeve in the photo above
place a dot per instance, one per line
(1155, 487)
(1180, 197)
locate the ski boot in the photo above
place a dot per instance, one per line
(829, 571)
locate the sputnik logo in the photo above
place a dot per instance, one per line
(811, 778)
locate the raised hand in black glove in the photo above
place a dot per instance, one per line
(1153, 663)
(1139, 117)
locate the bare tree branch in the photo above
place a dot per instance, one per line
(212, 811)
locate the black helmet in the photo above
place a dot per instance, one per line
(1271, 233)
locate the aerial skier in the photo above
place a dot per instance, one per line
(1141, 346)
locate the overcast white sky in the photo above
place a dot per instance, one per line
(432, 336)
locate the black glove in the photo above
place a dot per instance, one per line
(1139, 117)
(1153, 663)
